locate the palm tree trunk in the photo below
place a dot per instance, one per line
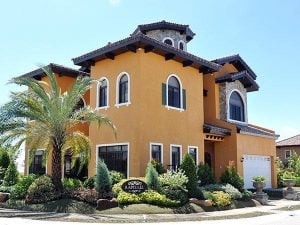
(56, 169)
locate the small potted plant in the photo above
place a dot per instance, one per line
(259, 183)
(289, 180)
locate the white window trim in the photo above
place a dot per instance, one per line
(285, 151)
(245, 108)
(180, 149)
(28, 165)
(181, 95)
(184, 45)
(169, 38)
(98, 93)
(161, 152)
(197, 153)
(117, 90)
(113, 144)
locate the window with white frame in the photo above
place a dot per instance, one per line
(193, 151)
(103, 89)
(175, 159)
(174, 92)
(181, 45)
(168, 41)
(37, 167)
(287, 154)
(156, 152)
(123, 89)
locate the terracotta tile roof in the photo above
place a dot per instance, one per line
(238, 62)
(164, 25)
(142, 41)
(214, 129)
(56, 68)
(292, 141)
(243, 76)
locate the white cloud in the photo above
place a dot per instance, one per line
(114, 2)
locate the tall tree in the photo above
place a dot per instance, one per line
(43, 115)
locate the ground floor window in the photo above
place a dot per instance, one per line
(175, 157)
(36, 166)
(77, 171)
(193, 153)
(156, 152)
(115, 157)
(287, 154)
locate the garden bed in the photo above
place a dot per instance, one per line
(74, 206)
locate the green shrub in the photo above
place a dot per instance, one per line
(297, 181)
(41, 190)
(71, 183)
(209, 195)
(221, 199)
(89, 183)
(227, 188)
(4, 162)
(205, 174)
(175, 194)
(20, 190)
(7, 189)
(152, 178)
(11, 175)
(259, 178)
(288, 175)
(149, 197)
(231, 176)
(154, 198)
(116, 176)
(173, 180)
(189, 168)
(247, 195)
(158, 166)
(125, 198)
(103, 181)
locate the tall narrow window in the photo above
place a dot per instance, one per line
(175, 157)
(193, 153)
(181, 45)
(123, 89)
(37, 166)
(174, 92)
(156, 152)
(236, 107)
(103, 93)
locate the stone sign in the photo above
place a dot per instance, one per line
(134, 186)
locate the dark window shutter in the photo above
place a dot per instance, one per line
(164, 94)
(184, 99)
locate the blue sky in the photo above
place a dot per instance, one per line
(265, 33)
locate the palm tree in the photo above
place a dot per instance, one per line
(43, 117)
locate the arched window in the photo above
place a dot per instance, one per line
(236, 107)
(169, 41)
(181, 45)
(103, 93)
(174, 98)
(123, 89)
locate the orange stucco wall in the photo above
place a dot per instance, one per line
(146, 120)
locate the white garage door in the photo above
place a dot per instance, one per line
(257, 165)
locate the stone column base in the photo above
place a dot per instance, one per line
(290, 194)
(261, 197)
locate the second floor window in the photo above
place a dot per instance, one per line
(236, 107)
(174, 92)
(123, 89)
(103, 93)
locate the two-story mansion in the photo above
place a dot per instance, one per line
(166, 102)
